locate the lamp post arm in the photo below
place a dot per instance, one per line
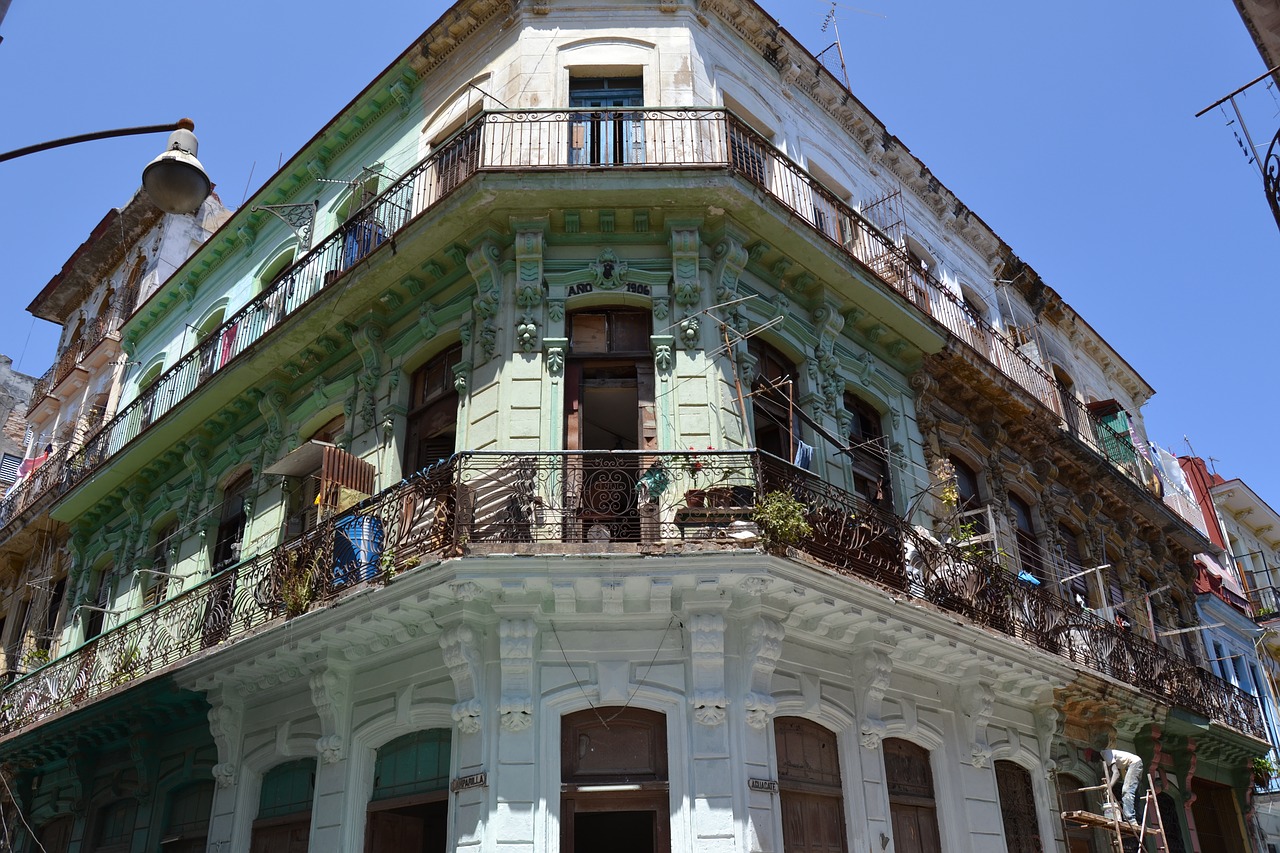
(101, 134)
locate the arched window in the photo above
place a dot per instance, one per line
(231, 522)
(869, 450)
(1080, 839)
(1018, 808)
(432, 432)
(773, 400)
(810, 791)
(1030, 555)
(614, 772)
(164, 556)
(102, 593)
(283, 824)
(1076, 585)
(55, 836)
(186, 828)
(409, 807)
(113, 826)
(1169, 816)
(973, 519)
(912, 807)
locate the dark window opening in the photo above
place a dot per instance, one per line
(1018, 808)
(1030, 555)
(409, 808)
(601, 131)
(869, 448)
(432, 433)
(773, 400)
(231, 523)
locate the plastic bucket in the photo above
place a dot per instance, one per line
(357, 549)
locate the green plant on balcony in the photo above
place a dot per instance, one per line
(1264, 770)
(297, 582)
(781, 519)
(35, 657)
(126, 667)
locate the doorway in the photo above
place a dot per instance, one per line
(912, 808)
(609, 416)
(615, 790)
(602, 132)
(409, 806)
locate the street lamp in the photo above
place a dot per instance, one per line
(175, 180)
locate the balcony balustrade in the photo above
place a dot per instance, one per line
(582, 502)
(532, 140)
(97, 331)
(1271, 177)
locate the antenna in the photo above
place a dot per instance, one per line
(830, 21)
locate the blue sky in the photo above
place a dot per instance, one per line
(1069, 129)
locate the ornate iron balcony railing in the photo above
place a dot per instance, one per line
(583, 502)
(1271, 176)
(602, 139)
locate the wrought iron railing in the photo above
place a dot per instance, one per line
(97, 330)
(1271, 176)
(43, 480)
(585, 502)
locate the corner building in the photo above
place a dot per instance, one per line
(619, 452)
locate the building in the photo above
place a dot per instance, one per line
(629, 445)
(1238, 610)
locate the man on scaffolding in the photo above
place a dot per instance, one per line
(1122, 767)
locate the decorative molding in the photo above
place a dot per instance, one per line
(226, 719)
(977, 700)
(463, 659)
(871, 673)
(482, 262)
(331, 695)
(706, 652)
(516, 637)
(762, 657)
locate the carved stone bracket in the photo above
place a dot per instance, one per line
(730, 260)
(977, 699)
(686, 282)
(762, 657)
(516, 637)
(482, 262)
(529, 287)
(226, 718)
(706, 649)
(331, 695)
(463, 659)
(872, 673)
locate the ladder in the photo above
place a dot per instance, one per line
(1147, 836)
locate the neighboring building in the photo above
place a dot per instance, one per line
(15, 390)
(1239, 596)
(125, 257)
(627, 448)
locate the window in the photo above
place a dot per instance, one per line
(104, 591)
(601, 131)
(164, 556)
(186, 829)
(457, 155)
(409, 807)
(1112, 431)
(231, 523)
(614, 772)
(773, 401)
(115, 826)
(810, 791)
(55, 836)
(1018, 808)
(912, 808)
(283, 824)
(361, 231)
(1030, 556)
(870, 451)
(1076, 585)
(432, 433)
(973, 517)
(1080, 839)
(747, 152)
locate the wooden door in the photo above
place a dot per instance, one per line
(915, 829)
(388, 832)
(812, 823)
(291, 837)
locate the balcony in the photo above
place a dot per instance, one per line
(1271, 177)
(606, 502)
(531, 140)
(99, 329)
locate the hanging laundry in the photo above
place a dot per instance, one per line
(804, 455)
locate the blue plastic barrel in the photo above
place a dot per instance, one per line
(357, 549)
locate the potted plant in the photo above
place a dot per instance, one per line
(1264, 770)
(781, 519)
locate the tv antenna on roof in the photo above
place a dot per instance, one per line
(830, 21)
